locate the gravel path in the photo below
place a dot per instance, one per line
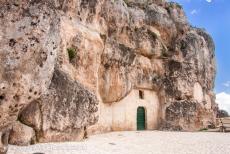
(145, 142)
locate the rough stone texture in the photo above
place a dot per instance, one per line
(4, 137)
(21, 134)
(116, 46)
(31, 116)
(66, 109)
(28, 40)
(180, 115)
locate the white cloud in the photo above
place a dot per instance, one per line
(226, 84)
(209, 1)
(223, 100)
(194, 12)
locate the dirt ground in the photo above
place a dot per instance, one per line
(144, 142)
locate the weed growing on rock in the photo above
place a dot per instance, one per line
(71, 53)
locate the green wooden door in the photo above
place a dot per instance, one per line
(140, 118)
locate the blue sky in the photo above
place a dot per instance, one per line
(214, 16)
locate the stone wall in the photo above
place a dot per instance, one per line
(121, 115)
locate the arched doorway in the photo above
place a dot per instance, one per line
(140, 118)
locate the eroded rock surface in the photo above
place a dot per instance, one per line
(21, 134)
(66, 109)
(59, 60)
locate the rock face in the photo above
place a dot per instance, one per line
(66, 109)
(21, 134)
(61, 62)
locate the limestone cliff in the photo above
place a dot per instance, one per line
(61, 60)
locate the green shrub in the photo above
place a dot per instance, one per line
(71, 53)
(203, 129)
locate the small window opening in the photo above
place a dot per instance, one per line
(141, 94)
